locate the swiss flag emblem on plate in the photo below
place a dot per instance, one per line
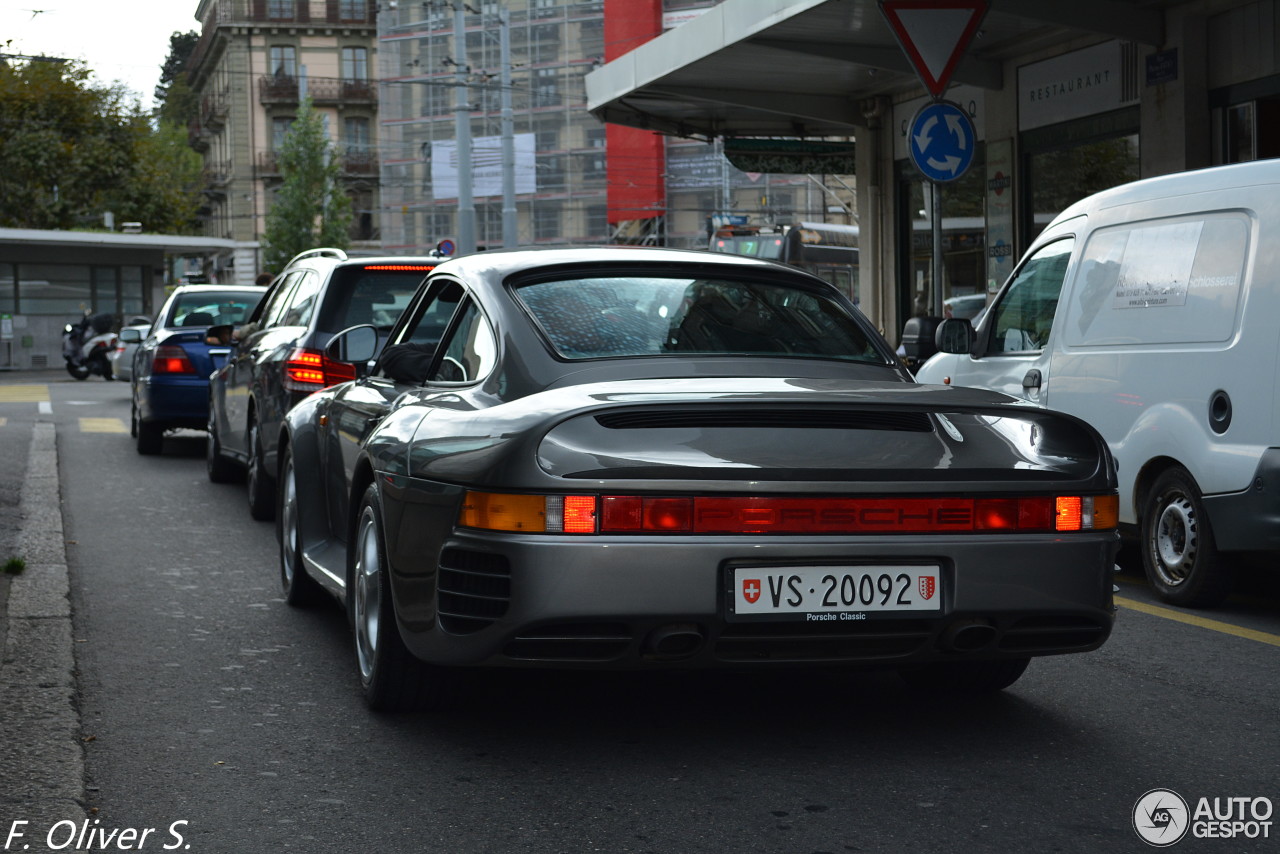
(751, 590)
(927, 586)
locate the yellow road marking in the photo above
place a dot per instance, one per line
(1202, 622)
(102, 425)
(24, 393)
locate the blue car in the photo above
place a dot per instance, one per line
(171, 368)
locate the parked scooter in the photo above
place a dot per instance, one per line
(85, 346)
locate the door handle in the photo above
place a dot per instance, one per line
(1031, 382)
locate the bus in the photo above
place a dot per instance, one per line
(828, 250)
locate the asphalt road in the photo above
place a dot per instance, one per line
(207, 702)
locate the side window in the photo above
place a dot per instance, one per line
(469, 352)
(409, 359)
(303, 301)
(277, 301)
(1023, 318)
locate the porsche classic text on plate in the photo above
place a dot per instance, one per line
(802, 591)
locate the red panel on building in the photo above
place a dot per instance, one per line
(636, 157)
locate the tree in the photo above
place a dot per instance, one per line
(311, 208)
(71, 150)
(175, 102)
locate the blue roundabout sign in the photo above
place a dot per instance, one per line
(941, 141)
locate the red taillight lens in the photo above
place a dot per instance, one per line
(308, 370)
(171, 359)
(623, 514)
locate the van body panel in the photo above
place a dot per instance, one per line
(1166, 339)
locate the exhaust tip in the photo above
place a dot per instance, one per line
(969, 635)
(674, 641)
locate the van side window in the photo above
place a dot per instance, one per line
(1023, 318)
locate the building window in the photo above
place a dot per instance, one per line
(281, 9)
(546, 87)
(548, 140)
(546, 221)
(279, 130)
(55, 289)
(543, 8)
(283, 60)
(351, 10)
(355, 63)
(597, 221)
(355, 134)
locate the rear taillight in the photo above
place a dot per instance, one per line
(635, 514)
(308, 370)
(171, 359)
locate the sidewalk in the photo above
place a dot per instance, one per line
(41, 754)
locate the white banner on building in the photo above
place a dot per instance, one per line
(486, 166)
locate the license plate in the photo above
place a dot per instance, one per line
(820, 593)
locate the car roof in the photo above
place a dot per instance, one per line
(505, 262)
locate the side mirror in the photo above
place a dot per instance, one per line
(354, 345)
(130, 336)
(955, 335)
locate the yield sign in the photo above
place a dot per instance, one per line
(934, 34)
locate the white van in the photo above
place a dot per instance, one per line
(1152, 311)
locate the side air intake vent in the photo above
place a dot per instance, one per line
(828, 419)
(474, 590)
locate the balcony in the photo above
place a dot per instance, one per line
(282, 89)
(218, 175)
(359, 163)
(352, 12)
(213, 110)
(198, 136)
(268, 164)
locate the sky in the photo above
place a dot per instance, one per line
(125, 42)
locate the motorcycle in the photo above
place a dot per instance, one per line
(85, 346)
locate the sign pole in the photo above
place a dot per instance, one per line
(936, 190)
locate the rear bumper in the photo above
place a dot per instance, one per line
(1250, 520)
(611, 602)
(175, 401)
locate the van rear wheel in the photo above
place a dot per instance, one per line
(1178, 552)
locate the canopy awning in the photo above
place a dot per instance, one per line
(805, 68)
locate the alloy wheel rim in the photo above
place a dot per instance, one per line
(253, 457)
(367, 596)
(288, 523)
(1175, 541)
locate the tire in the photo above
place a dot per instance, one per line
(77, 371)
(219, 468)
(262, 494)
(392, 679)
(1179, 555)
(965, 677)
(133, 419)
(150, 437)
(300, 589)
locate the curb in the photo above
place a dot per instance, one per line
(41, 756)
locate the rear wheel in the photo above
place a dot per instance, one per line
(966, 677)
(262, 499)
(219, 468)
(150, 437)
(78, 371)
(392, 678)
(299, 588)
(1178, 552)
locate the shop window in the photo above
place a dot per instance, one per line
(62, 289)
(963, 237)
(8, 289)
(1252, 131)
(1060, 178)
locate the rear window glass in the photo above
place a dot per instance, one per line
(369, 295)
(210, 308)
(597, 317)
(1175, 281)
